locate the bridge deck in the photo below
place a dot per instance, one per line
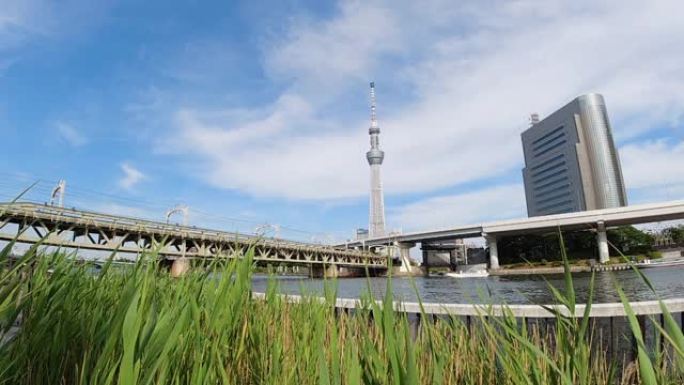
(63, 227)
(582, 220)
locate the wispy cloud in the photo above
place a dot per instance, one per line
(652, 169)
(328, 56)
(469, 75)
(25, 21)
(131, 176)
(488, 204)
(70, 134)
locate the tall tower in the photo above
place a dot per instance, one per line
(375, 156)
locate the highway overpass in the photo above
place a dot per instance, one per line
(597, 220)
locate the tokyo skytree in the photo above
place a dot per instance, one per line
(376, 225)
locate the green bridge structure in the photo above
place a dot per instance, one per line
(31, 223)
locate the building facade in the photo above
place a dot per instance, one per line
(571, 162)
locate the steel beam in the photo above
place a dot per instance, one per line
(95, 231)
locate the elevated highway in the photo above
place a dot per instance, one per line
(596, 220)
(31, 223)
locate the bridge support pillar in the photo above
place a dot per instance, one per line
(405, 259)
(425, 266)
(493, 251)
(405, 256)
(331, 271)
(180, 267)
(602, 241)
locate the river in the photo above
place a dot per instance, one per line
(531, 289)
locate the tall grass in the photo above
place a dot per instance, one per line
(139, 326)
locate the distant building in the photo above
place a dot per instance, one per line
(571, 163)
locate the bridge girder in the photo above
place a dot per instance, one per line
(74, 229)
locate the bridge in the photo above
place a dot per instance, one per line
(595, 220)
(31, 223)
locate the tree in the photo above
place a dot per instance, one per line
(630, 240)
(578, 244)
(676, 233)
(538, 247)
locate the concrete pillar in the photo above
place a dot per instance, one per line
(180, 267)
(332, 271)
(324, 271)
(426, 263)
(602, 241)
(452, 260)
(405, 256)
(461, 251)
(493, 251)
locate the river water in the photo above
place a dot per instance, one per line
(532, 289)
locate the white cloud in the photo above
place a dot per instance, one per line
(324, 55)
(654, 163)
(15, 22)
(131, 177)
(488, 204)
(72, 136)
(653, 170)
(25, 21)
(474, 72)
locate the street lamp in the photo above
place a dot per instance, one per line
(58, 193)
(178, 209)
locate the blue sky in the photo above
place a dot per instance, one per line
(254, 112)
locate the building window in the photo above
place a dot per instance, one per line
(547, 135)
(545, 178)
(540, 165)
(549, 168)
(553, 190)
(553, 198)
(553, 183)
(555, 205)
(556, 145)
(550, 140)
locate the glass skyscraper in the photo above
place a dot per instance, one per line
(571, 163)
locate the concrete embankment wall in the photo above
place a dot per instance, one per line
(598, 310)
(559, 269)
(539, 270)
(608, 321)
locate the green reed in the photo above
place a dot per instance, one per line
(137, 325)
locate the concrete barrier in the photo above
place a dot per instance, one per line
(615, 309)
(608, 321)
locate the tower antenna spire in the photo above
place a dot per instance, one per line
(374, 120)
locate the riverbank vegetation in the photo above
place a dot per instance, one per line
(544, 249)
(675, 233)
(585, 264)
(64, 322)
